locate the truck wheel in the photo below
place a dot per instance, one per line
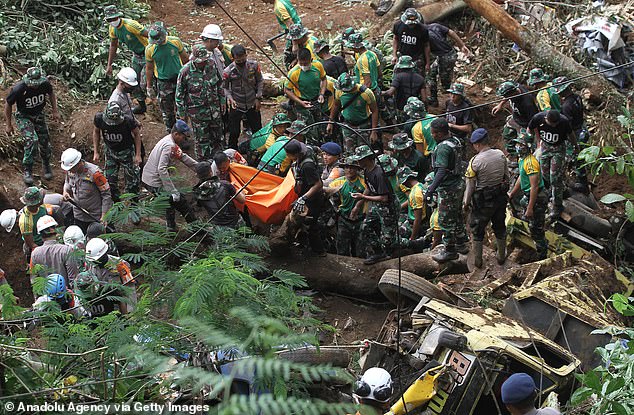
(413, 287)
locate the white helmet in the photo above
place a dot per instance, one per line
(8, 218)
(45, 222)
(375, 384)
(70, 158)
(212, 31)
(95, 249)
(74, 236)
(128, 75)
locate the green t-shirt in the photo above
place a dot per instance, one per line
(367, 63)
(130, 32)
(259, 137)
(166, 58)
(401, 196)
(347, 187)
(446, 156)
(284, 10)
(416, 201)
(529, 166)
(358, 111)
(306, 84)
(270, 152)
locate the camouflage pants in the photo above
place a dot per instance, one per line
(537, 224)
(123, 159)
(349, 242)
(34, 132)
(442, 67)
(380, 227)
(450, 214)
(138, 64)
(208, 135)
(166, 90)
(553, 166)
(485, 211)
(351, 139)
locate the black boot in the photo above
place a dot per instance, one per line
(140, 109)
(28, 174)
(446, 254)
(170, 218)
(46, 166)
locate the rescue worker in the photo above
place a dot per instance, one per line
(300, 38)
(374, 388)
(286, 16)
(74, 237)
(95, 230)
(111, 270)
(444, 58)
(64, 209)
(132, 34)
(29, 97)
(349, 242)
(411, 38)
(405, 84)
(407, 155)
(334, 65)
(519, 394)
(309, 188)
(367, 70)
(359, 110)
(243, 90)
(200, 99)
(486, 194)
(379, 228)
(450, 185)
(221, 166)
(523, 109)
(331, 153)
(156, 174)
(127, 80)
(306, 89)
(215, 195)
(57, 291)
(531, 183)
(420, 132)
(546, 98)
(390, 169)
(279, 124)
(122, 150)
(95, 295)
(28, 217)
(434, 225)
(211, 36)
(87, 187)
(51, 256)
(416, 208)
(275, 160)
(459, 115)
(552, 130)
(572, 108)
(164, 56)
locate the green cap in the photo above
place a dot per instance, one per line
(405, 173)
(32, 196)
(199, 53)
(345, 82)
(536, 75)
(355, 40)
(347, 32)
(320, 45)
(362, 152)
(506, 88)
(34, 76)
(297, 31)
(112, 12)
(405, 62)
(280, 119)
(456, 88)
(389, 164)
(113, 114)
(157, 33)
(415, 108)
(411, 16)
(561, 83)
(296, 127)
(400, 141)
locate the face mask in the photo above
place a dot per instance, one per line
(305, 68)
(410, 22)
(128, 89)
(115, 23)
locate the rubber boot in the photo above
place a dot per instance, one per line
(170, 218)
(447, 253)
(28, 174)
(140, 109)
(477, 253)
(48, 172)
(501, 250)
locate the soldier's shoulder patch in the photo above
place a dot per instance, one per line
(176, 152)
(100, 180)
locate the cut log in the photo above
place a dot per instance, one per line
(349, 276)
(432, 10)
(541, 51)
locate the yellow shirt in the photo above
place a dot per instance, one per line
(306, 84)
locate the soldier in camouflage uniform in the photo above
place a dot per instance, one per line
(417, 220)
(449, 183)
(123, 148)
(546, 98)
(164, 56)
(29, 95)
(380, 225)
(523, 109)
(199, 97)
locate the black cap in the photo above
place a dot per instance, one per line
(440, 124)
(203, 169)
(295, 147)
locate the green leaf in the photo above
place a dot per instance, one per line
(612, 198)
(620, 165)
(581, 395)
(614, 384)
(607, 150)
(620, 409)
(592, 380)
(629, 210)
(620, 302)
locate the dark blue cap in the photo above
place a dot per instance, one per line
(478, 135)
(517, 388)
(182, 127)
(331, 148)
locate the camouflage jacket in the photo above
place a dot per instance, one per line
(198, 91)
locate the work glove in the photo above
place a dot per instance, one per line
(176, 197)
(299, 205)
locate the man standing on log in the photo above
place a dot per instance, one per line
(523, 109)
(487, 187)
(449, 182)
(379, 228)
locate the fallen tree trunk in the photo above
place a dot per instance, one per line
(349, 276)
(432, 10)
(542, 52)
